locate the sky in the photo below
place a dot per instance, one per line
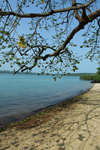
(85, 66)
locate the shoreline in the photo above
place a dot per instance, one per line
(73, 125)
(39, 111)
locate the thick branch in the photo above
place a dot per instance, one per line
(33, 15)
(91, 17)
(76, 12)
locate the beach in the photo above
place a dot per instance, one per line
(73, 125)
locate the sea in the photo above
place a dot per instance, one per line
(22, 95)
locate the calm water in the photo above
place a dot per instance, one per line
(22, 94)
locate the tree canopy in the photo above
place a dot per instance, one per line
(65, 18)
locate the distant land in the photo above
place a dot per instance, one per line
(12, 72)
(34, 73)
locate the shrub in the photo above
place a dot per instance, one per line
(92, 78)
(87, 77)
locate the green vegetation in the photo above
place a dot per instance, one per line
(98, 72)
(87, 77)
(93, 78)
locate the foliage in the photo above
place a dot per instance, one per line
(98, 72)
(34, 49)
(88, 77)
(97, 78)
(93, 78)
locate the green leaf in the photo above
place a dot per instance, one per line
(3, 47)
(2, 32)
(54, 78)
(56, 35)
(84, 35)
(73, 70)
(9, 46)
(22, 62)
(7, 33)
(17, 59)
(1, 37)
(11, 59)
(74, 45)
(85, 42)
(42, 73)
(53, 46)
(30, 29)
(42, 1)
(54, 19)
(31, 46)
(87, 45)
(81, 46)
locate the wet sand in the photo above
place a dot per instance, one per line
(74, 125)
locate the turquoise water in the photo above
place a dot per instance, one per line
(22, 94)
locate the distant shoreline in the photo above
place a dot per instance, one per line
(34, 73)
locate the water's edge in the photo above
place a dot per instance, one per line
(33, 113)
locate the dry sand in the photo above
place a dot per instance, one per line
(67, 127)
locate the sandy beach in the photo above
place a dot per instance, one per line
(70, 126)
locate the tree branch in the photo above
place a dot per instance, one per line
(33, 15)
(91, 17)
(76, 12)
